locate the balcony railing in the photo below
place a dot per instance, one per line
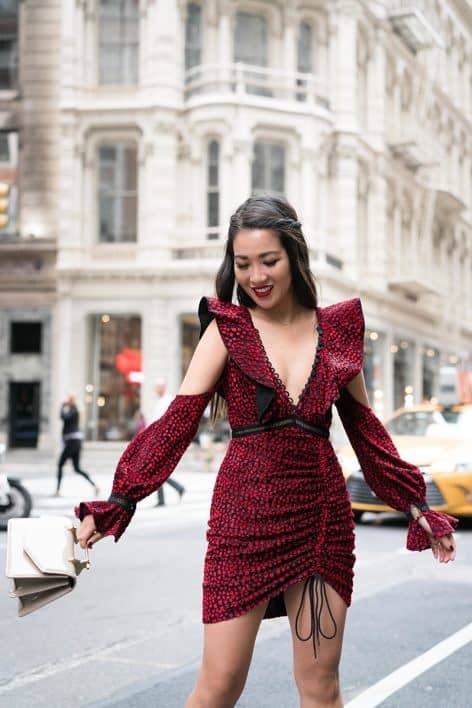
(416, 23)
(245, 79)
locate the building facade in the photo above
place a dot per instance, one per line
(159, 117)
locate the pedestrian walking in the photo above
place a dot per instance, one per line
(163, 400)
(72, 443)
(281, 530)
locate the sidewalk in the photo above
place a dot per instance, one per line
(31, 463)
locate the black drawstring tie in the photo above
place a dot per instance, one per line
(318, 597)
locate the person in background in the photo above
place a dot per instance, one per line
(72, 441)
(163, 399)
(139, 423)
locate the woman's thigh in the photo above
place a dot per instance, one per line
(228, 646)
(328, 650)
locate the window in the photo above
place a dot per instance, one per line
(362, 81)
(403, 370)
(193, 36)
(8, 181)
(250, 47)
(268, 168)
(25, 337)
(118, 42)
(415, 423)
(373, 368)
(430, 370)
(304, 57)
(8, 44)
(115, 373)
(117, 192)
(213, 189)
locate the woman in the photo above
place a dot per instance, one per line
(281, 531)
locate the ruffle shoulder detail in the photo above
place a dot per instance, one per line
(345, 339)
(238, 334)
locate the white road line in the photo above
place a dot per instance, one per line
(380, 691)
(43, 671)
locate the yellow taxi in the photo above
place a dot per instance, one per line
(436, 438)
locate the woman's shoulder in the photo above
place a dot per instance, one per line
(220, 308)
(344, 311)
(229, 317)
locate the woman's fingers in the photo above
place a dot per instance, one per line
(86, 533)
(444, 548)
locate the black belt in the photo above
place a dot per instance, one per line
(282, 423)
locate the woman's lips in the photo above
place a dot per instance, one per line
(263, 292)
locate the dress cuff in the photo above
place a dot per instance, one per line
(111, 518)
(441, 524)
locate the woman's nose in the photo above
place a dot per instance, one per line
(257, 276)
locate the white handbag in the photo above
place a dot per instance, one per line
(41, 560)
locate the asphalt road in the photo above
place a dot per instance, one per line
(129, 635)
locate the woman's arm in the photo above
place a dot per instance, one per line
(207, 363)
(399, 483)
(153, 454)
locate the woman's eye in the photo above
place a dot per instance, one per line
(271, 263)
(239, 266)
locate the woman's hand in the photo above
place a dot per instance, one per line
(86, 532)
(444, 548)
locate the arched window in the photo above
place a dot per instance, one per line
(117, 192)
(268, 168)
(251, 48)
(118, 41)
(213, 189)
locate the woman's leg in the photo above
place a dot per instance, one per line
(227, 653)
(75, 456)
(65, 455)
(317, 678)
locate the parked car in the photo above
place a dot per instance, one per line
(436, 438)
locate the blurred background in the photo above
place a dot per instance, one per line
(131, 129)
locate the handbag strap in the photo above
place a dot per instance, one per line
(78, 564)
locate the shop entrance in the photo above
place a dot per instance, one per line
(24, 413)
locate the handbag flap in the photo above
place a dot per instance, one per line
(40, 546)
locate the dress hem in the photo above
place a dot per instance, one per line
(240, 612)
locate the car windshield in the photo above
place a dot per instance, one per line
(432, 423)
(461, 418)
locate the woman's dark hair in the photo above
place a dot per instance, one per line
(269, 211)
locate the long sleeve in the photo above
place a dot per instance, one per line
(147, 462)
(395, 481)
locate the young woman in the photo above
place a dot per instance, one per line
(281, 531)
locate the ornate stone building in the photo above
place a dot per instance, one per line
(154, 119)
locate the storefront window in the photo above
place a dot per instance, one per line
(430, 373)
(112, 394)
(190, 333)
(374, 370)
(403, 372)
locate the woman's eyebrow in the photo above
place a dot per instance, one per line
(260, 255)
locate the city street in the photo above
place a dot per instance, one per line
(130, 633)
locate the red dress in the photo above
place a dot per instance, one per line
(280, 510)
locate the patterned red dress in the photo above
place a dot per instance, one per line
(280, 510)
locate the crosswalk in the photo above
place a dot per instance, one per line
(193, 508)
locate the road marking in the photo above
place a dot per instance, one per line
(380, 691)
(43, 671)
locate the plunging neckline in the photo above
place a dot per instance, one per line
(294, 406)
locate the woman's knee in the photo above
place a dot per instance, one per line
(220, 688)
(319, 684)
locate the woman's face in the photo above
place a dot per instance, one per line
(262, 266)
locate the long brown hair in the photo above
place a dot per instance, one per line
(268, 211)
